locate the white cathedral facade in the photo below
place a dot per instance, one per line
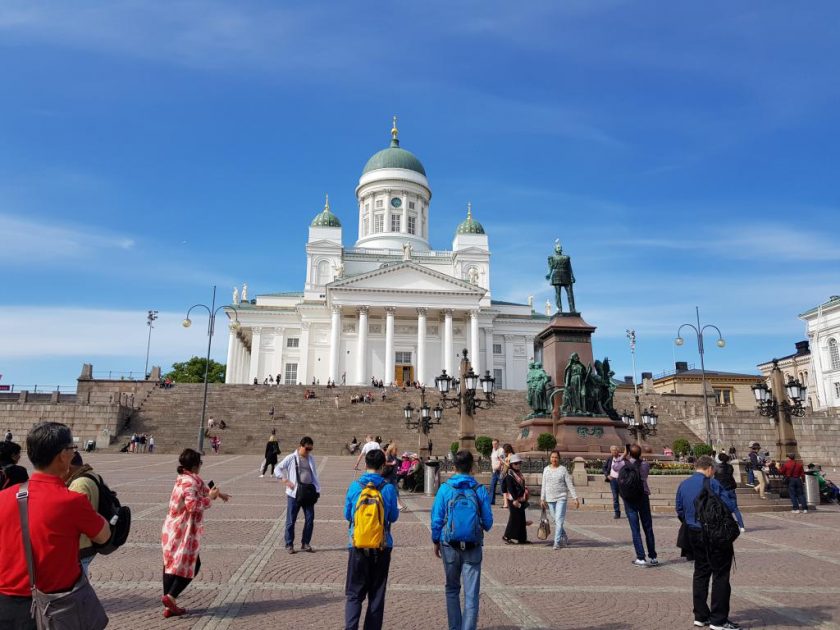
(390, 307)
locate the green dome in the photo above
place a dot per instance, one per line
(470, 225)
(394, 157)
(326, 218)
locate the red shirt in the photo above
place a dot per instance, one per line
(792, 469)
(56, 518)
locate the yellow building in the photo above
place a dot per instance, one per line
(724, 388)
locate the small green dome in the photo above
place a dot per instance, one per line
(394, 157)
(326, 218)
(470, 225)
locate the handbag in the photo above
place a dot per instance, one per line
(305, 493)
(76, 609)
(544, 530)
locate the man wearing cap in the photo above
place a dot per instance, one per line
(756, 469)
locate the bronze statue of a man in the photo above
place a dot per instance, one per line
(561, 276)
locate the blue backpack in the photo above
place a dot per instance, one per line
(463, 516)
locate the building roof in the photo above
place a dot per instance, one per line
(394, 157)
(470, 225)
(326, 218)
(695, 373)
(503, 303)
(834, 300)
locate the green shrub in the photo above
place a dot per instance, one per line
(546, 441)
(681, 446)
(484, 445)
(702, 449)
(455, 447)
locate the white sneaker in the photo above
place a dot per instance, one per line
(795, 511)
(804, 511)
(653, 562)
(261, 476)
(639, 563)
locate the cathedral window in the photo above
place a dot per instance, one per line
(497, 348)
(365, 224)
(379, 203)
(834, 354)
(293, 342)
(395, 222)
(403, 358)
(837, 391)
(411, 205)
(378, 223)
(291, 374)
(412, 225)
(323, 273)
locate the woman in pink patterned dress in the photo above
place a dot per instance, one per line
(183, 528)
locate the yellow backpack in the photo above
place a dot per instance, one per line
(369, 518)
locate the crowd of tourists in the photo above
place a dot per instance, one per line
(55, 522)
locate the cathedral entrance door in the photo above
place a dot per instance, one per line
(403, 374)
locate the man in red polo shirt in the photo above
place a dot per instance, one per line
(795, 476)
(56, 519)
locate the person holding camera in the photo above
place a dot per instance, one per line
(303, 489)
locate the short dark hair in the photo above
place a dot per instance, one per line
(306, 441)
(703, 462)
(375, 459)
(723, 458)
(791, 455)
(635, 451)
(463, 461)
(45, 441)
(189, 459)
(7, 451)
(507, 448)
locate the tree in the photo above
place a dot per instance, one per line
(681, 446)
(546, 442)
(192, 371)
(484, 445)
(454, 448)
(702, 449)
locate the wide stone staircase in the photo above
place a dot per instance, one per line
(172, 416)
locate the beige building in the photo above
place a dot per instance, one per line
(796, 366)
(728, 389)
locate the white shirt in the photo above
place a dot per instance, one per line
(286, 470)
(496, 458)
(373, 445)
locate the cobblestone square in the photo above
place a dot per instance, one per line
(787, 571)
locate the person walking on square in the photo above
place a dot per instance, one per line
(756, 469)
(370, 506)
(556, 487)
(712, 556)
(10, 472)
(634, 490)
(272, 451)
(461, 514)
(369, 445)
(611, 477)
(794, 474)
(497, 455)
(83, 480)
(516, 494)
(183, 528)
(303, 489)
(725, 476)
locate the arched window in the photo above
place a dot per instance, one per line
(323, 272)
(834, 354)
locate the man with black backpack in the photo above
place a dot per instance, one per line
(633, 487)
(370, 507)
(460, 516)
(708, 514)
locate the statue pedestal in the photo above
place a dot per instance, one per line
(566, 333)
(577, 436)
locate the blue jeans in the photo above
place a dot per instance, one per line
(639, 513)
(750, 476)
(558, 512)
(458, 565)
(86, 564)
(494, 481)
(614, 489)
(292, 509)
(797, 493)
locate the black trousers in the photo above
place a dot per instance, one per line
(367, 577)
(269, 465)
(15, 613)
(714, 563)
(174, 585)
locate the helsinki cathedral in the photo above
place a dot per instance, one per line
(389, 307)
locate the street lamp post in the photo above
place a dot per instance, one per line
(637, 407)
(426, 419)
(211, 327)
(643, 426)
(150, 318)
(773, 403)
(465, 397)
(698, 329)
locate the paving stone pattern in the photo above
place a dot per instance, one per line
(787, 575)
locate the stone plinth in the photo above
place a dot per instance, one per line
(577, 436)
(566, 333)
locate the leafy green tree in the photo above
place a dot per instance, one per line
(192, 371)
(454, 448)
(702, 449)
(681, 446)
(546, 442)
(484, 445)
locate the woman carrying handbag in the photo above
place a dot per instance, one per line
(516, 494)
(556, 487)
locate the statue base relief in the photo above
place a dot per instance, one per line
(566, 333)
(577, 436)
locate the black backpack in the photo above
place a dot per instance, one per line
(630, 486)
(719, 527)
(117, 515)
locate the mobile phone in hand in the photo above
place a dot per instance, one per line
(211, 485)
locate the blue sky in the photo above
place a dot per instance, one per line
(684, 154)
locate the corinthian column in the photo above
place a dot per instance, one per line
(229, 376)
(335, 341)
(389, 344)
(475, 359)
(361, 348)
(448, 352)
(254, 372)
(421, 346)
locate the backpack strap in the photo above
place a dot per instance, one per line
(23, 508)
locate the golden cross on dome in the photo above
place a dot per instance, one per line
(327, 202)
(394, 131)
(469, 210)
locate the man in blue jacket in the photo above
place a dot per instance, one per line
(460, 516)
(367, 569)
(709, 561)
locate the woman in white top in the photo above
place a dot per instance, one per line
(556, 487)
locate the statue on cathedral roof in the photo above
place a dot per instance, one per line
(244, 291)
(235, 296)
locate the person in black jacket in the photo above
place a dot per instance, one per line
(12, 474)
(272, 450)
(612, 479)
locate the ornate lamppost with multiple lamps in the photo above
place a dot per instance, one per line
(640, 427)
(150, 320)
(426, 419)
(772, 402)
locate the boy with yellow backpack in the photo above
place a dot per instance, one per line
(370, 507)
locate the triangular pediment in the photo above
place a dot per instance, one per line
(406, 276)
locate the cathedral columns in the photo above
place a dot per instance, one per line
(229, 376)
(361, 349)
(279, 344)
(448, 352)
(488, 349)
(420, 377)
(389, 344)
(475, 358)
(303, 363)
(253, 373)
(508, 358)
(335, 341)
(244, 363)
